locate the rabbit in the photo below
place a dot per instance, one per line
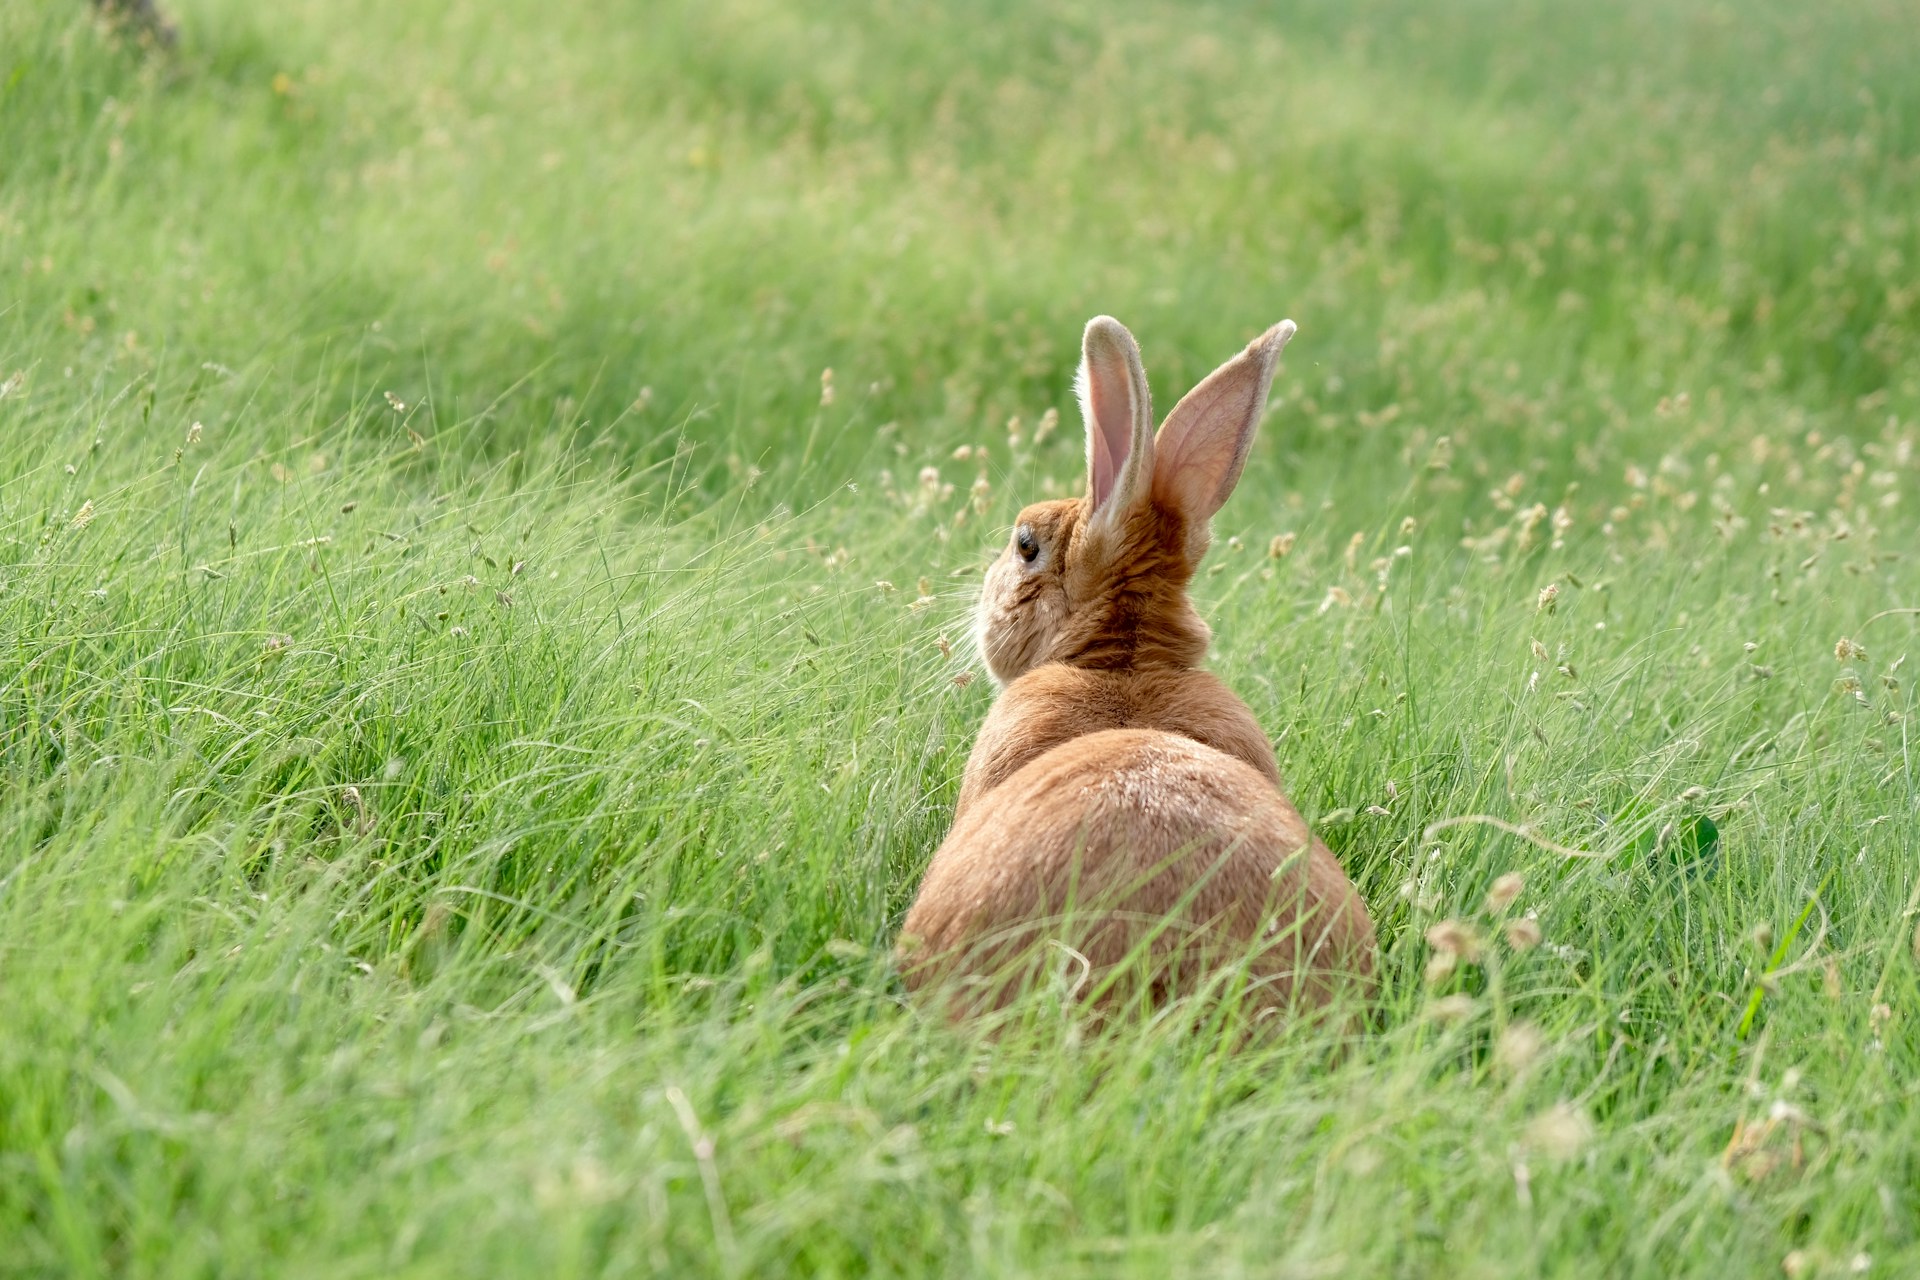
(1120, 802)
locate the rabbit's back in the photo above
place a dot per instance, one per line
(1144, 846)
(1055, 703)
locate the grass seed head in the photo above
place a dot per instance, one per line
(1523, 934)
(1848, 650)
(1455, 938)
(83, 517)
(1504, 891)
(1518, 1048)
(1561, 1132)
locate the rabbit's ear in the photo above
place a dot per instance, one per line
(1113, 398)
(1204, 442)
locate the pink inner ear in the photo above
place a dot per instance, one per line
(1199, 465)
(1111, 433)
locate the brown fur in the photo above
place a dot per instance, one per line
(1118, 801)
(1055, 703)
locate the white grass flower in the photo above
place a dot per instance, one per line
(1560, 1132)
(1518, 1048)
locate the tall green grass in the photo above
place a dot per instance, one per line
(490, 497)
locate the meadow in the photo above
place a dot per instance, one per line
(490, 501)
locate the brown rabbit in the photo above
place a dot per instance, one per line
(1119, 802)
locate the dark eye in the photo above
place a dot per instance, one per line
(1025, 543)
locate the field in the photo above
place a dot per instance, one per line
(490, 502)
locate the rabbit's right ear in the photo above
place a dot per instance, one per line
(1204, 442)
(1112, 388)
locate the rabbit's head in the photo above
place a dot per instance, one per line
(1101, 581)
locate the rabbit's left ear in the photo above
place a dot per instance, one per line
(1203, 445)
(1113, 399)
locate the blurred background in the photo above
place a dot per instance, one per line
(1532, 219)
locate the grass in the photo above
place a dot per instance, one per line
(465, 763)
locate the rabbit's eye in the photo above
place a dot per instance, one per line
(1025, 543)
